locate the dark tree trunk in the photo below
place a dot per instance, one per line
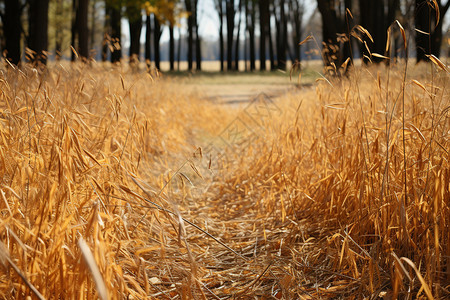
(198, 51)
(346, 25)
(230, 11)
(135, 43)
(222, 47)
(329, 31)
(92, 27)
(250, 18)
(116, 29)
(335, 51)
(437, 32)
(273, 66)
(106, 33)
(425, 20)
(2, 37)
(156, 38)
(179, 49)
(246, 34)
(219, 4)
(236, 45)
(198, 48)
(282, 37)
(393, 12)
(275, 15)
(296, 16)
(12, 31)
(373, 19)
(171, 48)
(73, 29)
(263, 25)
(245, 49)
(58, 29)
(135, 22)
(148, 38)
(38, 30)
(82, 28)
(190, 54)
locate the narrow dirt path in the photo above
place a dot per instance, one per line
(242, 93)
(239, 88)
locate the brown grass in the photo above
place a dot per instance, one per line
(315, 205)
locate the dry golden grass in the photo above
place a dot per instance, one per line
(104, 193)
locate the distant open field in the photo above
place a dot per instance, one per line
(214, 66)
(242, 87)
(117, 184)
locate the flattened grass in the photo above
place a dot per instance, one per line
(312, 205)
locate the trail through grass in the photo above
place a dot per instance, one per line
(167, 194)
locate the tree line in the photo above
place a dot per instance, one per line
(376, 18)
(272, 30)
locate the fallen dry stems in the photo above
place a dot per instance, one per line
(312, 207)
(358, 219)
(70, 137)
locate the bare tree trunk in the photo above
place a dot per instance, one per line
(38, 30)
(236, 45)
(190, 20)
(250, 17)
(246, 36)
(179, 49)
(263, 24)
(92, 29)
(335, 51)
(425, 20)
(135, 43)
(198, 48)
(12, 31)
(275, 15)
(82, 28)
(392, 14)
(73, 29)
(156, 39)
(295, 16)
(230, 11)
(116, 30)
(148, 38)
(284, 36)
(219, 5)
(58, 29)
(373, 19)
(273, 66)
(437, 33)
(171, 48)
(106, 33)
(245, 50)
(135, 23)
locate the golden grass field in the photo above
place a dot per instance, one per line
(119, 185)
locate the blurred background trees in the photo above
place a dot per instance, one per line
(429, 27)
(80, 31)
(245, 31)
(12, 11)
(37, 39)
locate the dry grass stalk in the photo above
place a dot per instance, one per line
(313, 208)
